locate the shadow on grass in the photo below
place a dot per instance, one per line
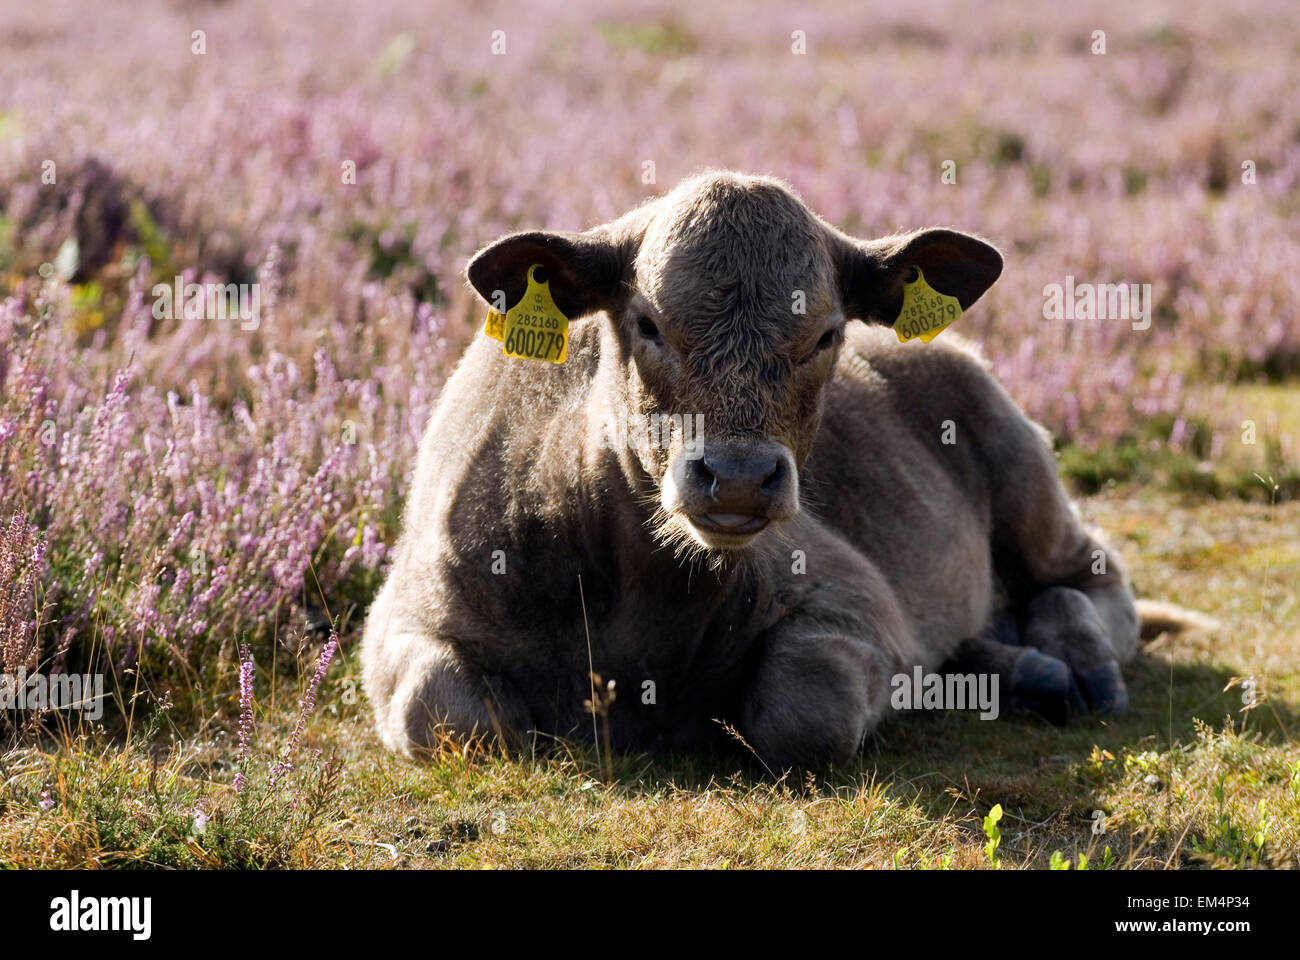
(1019, 760)
(953, 767)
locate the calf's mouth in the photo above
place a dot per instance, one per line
(730, 526)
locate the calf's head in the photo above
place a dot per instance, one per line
(726, 301)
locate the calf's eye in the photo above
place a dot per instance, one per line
(647, 328)
(827, 340)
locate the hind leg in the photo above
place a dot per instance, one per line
(1071, 594)
(1029, 681)
(1065, 623)
(1057, 661)
(1068, 591)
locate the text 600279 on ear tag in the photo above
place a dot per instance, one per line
(534, 328)
(926, 312)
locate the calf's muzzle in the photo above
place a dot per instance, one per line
(736, 489)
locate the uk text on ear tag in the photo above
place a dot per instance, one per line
(534, 327)
(926, 312)
(495, 326)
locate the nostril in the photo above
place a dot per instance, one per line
(774, 481)
(702, 476)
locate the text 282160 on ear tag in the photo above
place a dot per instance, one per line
(926, 312)
(535, 329)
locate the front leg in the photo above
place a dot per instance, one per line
(422, 692)
(822, 680)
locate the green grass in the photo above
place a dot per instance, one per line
(1188, 778)
(1267, 451)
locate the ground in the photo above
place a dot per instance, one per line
(1188, 777)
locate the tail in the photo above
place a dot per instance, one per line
(1159, 617)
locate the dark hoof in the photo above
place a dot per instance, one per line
(1044, 686)
(1103, 688)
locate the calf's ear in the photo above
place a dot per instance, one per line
(583, 271)
(587, 272)
(872, 272)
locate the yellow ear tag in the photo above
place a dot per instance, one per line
(534, 327)
(495, 326)
(926, 312)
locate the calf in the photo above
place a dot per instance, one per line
(857, 506)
